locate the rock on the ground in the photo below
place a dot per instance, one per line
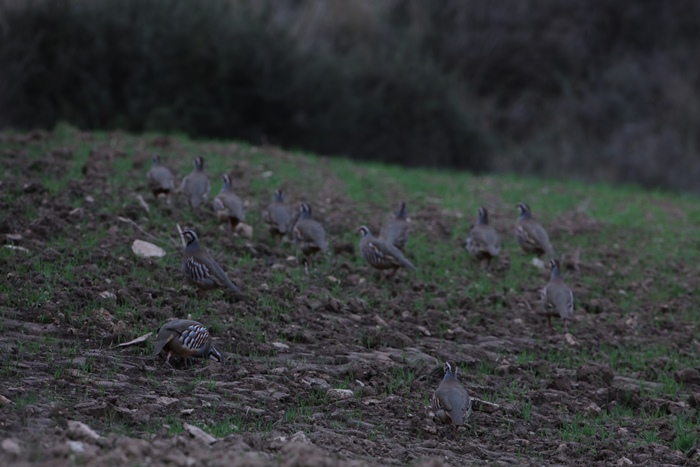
(146, 249)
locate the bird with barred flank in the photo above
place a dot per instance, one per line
(186, 338)
(200, 269)
(381, 254)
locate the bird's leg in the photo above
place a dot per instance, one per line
(566, 330)
(391, 274)
(549, 323)
(167, 359)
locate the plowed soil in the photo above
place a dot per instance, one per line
(333, 367)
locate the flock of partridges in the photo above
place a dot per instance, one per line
(187, 338)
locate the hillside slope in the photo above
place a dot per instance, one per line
(624, 384)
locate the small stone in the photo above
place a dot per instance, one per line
(592, 409)
(267, 174)
(76, 446)
(280, 346)
(316, 382)
(79, 430)
(108, 295)
(299, 437)
(146, 249)
(14, 237)
(244, 230)
(423, 329)
(15, 247)
(11, 446)
(624, 461)
(199, 434)
(341, 393)
(89, 199)
(166, 401)
(538, 263)
(333, 280)
(4, 401)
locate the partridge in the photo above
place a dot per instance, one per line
(227, 205)
(186, 338)
(200, 269)
(160, 178)
(381, 254)
(530, 234)
(483, 242)
(278, 216)
(395, 231)
(309, 234)
(557, 298)
(196, 184)
(450, 400)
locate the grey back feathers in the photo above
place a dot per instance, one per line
(395, 231)
(557, 298)
(450, 400)
(196, 184)
(530, 234)
(160, 178)
(228, 206)
(309, 234)
(483, 242)
(278, 216)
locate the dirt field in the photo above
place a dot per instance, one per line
(623, 389)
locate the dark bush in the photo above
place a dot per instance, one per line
(220, 69)
(601, 89)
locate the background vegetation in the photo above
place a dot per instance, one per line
(599, 90)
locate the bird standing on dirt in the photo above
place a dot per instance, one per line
(196, 184)
(451, 401)
(200, 269)
(227, 205)
(483, 242)
(160, 178)
(278, 216)
(395, 231)
(557, 297)
(530, 234)
(186, 338)
(381, 254)
(308, 234)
